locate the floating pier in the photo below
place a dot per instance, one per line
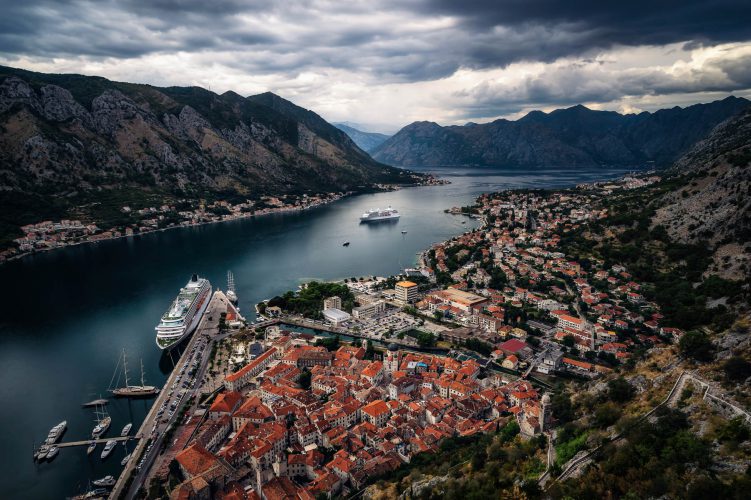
(97, 441)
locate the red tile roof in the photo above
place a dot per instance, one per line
(196, 459)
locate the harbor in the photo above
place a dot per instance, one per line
(116, 306)
(154, 427)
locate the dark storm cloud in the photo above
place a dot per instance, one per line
(591, 82)
(394, 41)
(121, 29)
(546, 30)
(486, 33)
(633, 22)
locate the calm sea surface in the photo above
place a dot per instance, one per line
(65, 315)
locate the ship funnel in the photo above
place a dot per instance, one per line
(194, 278)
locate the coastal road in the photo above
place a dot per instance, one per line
(154, 426)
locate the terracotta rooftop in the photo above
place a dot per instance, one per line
(196, 459)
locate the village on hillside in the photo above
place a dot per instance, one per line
(48, 235)
(312, 403)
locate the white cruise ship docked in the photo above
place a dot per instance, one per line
(379, 215)
(184, 314)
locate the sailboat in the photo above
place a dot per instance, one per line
(103, 422)
(231, 293)
(131, 391)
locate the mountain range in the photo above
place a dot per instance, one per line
(70, 140)
(367, 141)
(571, 137)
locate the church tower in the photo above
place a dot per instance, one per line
(391, 358)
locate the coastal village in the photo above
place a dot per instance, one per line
(470, 341)
(47, 235)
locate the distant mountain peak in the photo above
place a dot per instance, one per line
(367, 141)
(570, 137)
(90, 136)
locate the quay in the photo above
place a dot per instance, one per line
(153, 429)
(97, 441)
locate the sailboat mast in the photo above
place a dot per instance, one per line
(230, 282)
(125, 369)
(142, 380)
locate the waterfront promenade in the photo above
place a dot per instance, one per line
(154, 427)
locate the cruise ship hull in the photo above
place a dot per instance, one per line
(379, 219)
(167, 344)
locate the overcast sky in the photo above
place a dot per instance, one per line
(387, 63)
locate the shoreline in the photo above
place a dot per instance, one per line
(280, 210)
(178, 226)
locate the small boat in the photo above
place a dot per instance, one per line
(103, 421)
(42, 453)
(96, 402)
(106, 481)
(56, 432)
(345, 244)
(464, 222)
(97, 493)
(101, 427)
(404, 232)
(108, 447)
(53, 452)
(126, 430)
(91, 449)
(125, 459)
(231, 293)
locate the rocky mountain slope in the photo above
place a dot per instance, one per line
(70, 139)
(576, 136)
(714, 204)
(367, 141)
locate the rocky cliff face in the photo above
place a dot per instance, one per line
(62, 136)
(568, 137)
(714, 203)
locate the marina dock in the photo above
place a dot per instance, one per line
(125, 488)
(97, 441)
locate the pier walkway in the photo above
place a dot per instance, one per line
(133, 476)
(97, 441)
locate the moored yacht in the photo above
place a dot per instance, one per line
(231, 293)
(56, 432)
(132, 391)
(108, 447)
(43, 451)
(106, 481)
(101, 427)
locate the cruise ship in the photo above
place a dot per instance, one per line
(184, 314)
(379, 215)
